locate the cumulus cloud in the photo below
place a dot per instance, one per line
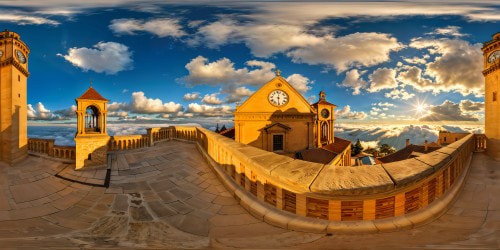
(468, 105)
(141, 104)
(104, 57)
(353, 50)
(354, 81)
(39, 112)
(384, 104)
(236, 94)
(66, 113)
(448, 111)
(211, 99)
(347, 113)
(382, 78)
(209, 110)
(412, 76)
(415, 60)
(222, 71)
(400, 93)
(457, 67)
(191, 96)
(300, 82)
(161, 27)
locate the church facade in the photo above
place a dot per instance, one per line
(277, 118)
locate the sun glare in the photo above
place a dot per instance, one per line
(420, 108)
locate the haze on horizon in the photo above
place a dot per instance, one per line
(386, 63)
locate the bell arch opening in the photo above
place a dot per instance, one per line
(92, 119)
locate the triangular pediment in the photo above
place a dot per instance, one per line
(258, 102)
(277, 125)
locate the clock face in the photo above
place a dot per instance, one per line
(325, 113)
(278, 97)
(494, 56)
(20, 56)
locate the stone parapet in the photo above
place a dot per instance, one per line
(336, 193)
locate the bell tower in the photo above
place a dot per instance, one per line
(325, 121)
(491, 72)
(13, 97)
(91, 135)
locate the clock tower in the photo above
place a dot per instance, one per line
(491, 72)
(325, 121)
(13, 97)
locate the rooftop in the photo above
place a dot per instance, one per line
(167, 197)
(92, 94)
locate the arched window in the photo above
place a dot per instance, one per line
(324, 131)
(92, 119)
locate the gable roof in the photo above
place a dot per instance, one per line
(92, 94)
(273, 81)
(338, 146)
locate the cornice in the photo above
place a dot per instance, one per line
(16, 64)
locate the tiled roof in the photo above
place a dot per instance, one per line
(338, 146)
(92, 94)
(407, 152)
(318, 155)
(229, 133)
(322, 102)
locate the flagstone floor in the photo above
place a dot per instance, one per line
(167, 197)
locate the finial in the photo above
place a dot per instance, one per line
(91, 83)
(278, 72)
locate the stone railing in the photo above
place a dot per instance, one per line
(480, 142)
(41, 146)
(126, 142)
(46, 147)
(339, 193)
(64, 152)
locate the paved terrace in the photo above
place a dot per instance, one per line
(167, 197)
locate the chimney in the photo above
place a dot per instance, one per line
(426, 146)
(407, 142)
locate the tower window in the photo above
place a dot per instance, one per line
(277, 142)
(495, 96)
(18, 78)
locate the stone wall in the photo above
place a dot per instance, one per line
(336, 193)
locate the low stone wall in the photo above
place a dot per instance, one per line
(46, 147)
(126, 142)
(337, 193)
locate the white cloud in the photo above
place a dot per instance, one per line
(300, 82)
(25, 18)
(211, 99)
(222, 71)
(414, 60)
(399, 94)
(191, 96)
(384, 104)
(353, 50)
(143, 105)
(66, 113)
(39, 112)
(382, 78)
(448, 31)
(236, 94)
(457, 67)
(140, 104)
(161, 27)
(346, 113)
(208, 110)
(105, 57)
(448, 111)
(354, 81)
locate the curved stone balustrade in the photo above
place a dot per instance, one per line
(64, 152)
(126, 142)
(41, 146)
(337, 193)
(46, 147)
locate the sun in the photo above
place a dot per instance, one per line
(420, 108)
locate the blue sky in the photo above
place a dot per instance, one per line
(379, 62)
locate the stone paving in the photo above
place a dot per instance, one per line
(167, 197)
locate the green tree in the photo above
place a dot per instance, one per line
(356, 148)
(385, 149)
